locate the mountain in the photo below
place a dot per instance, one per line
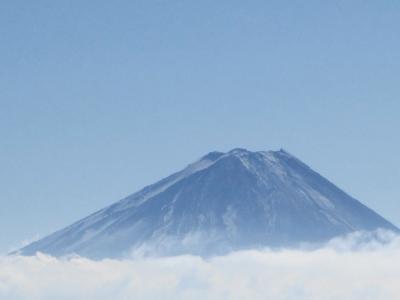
(222, 202)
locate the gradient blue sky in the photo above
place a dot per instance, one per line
(99, 98)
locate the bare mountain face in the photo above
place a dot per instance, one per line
(223, 202)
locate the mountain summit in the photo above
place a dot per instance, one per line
(222, 202)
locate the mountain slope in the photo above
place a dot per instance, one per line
(223, 202)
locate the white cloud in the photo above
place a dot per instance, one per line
(355, 267)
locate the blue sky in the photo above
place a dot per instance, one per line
(99, 98)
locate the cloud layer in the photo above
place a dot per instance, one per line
(359, 266)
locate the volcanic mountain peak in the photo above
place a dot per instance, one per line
(222, 202)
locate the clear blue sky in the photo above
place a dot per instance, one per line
(99, 98)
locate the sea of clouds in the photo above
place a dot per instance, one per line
(359, 266)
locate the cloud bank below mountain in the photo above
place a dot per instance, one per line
(359, 266)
